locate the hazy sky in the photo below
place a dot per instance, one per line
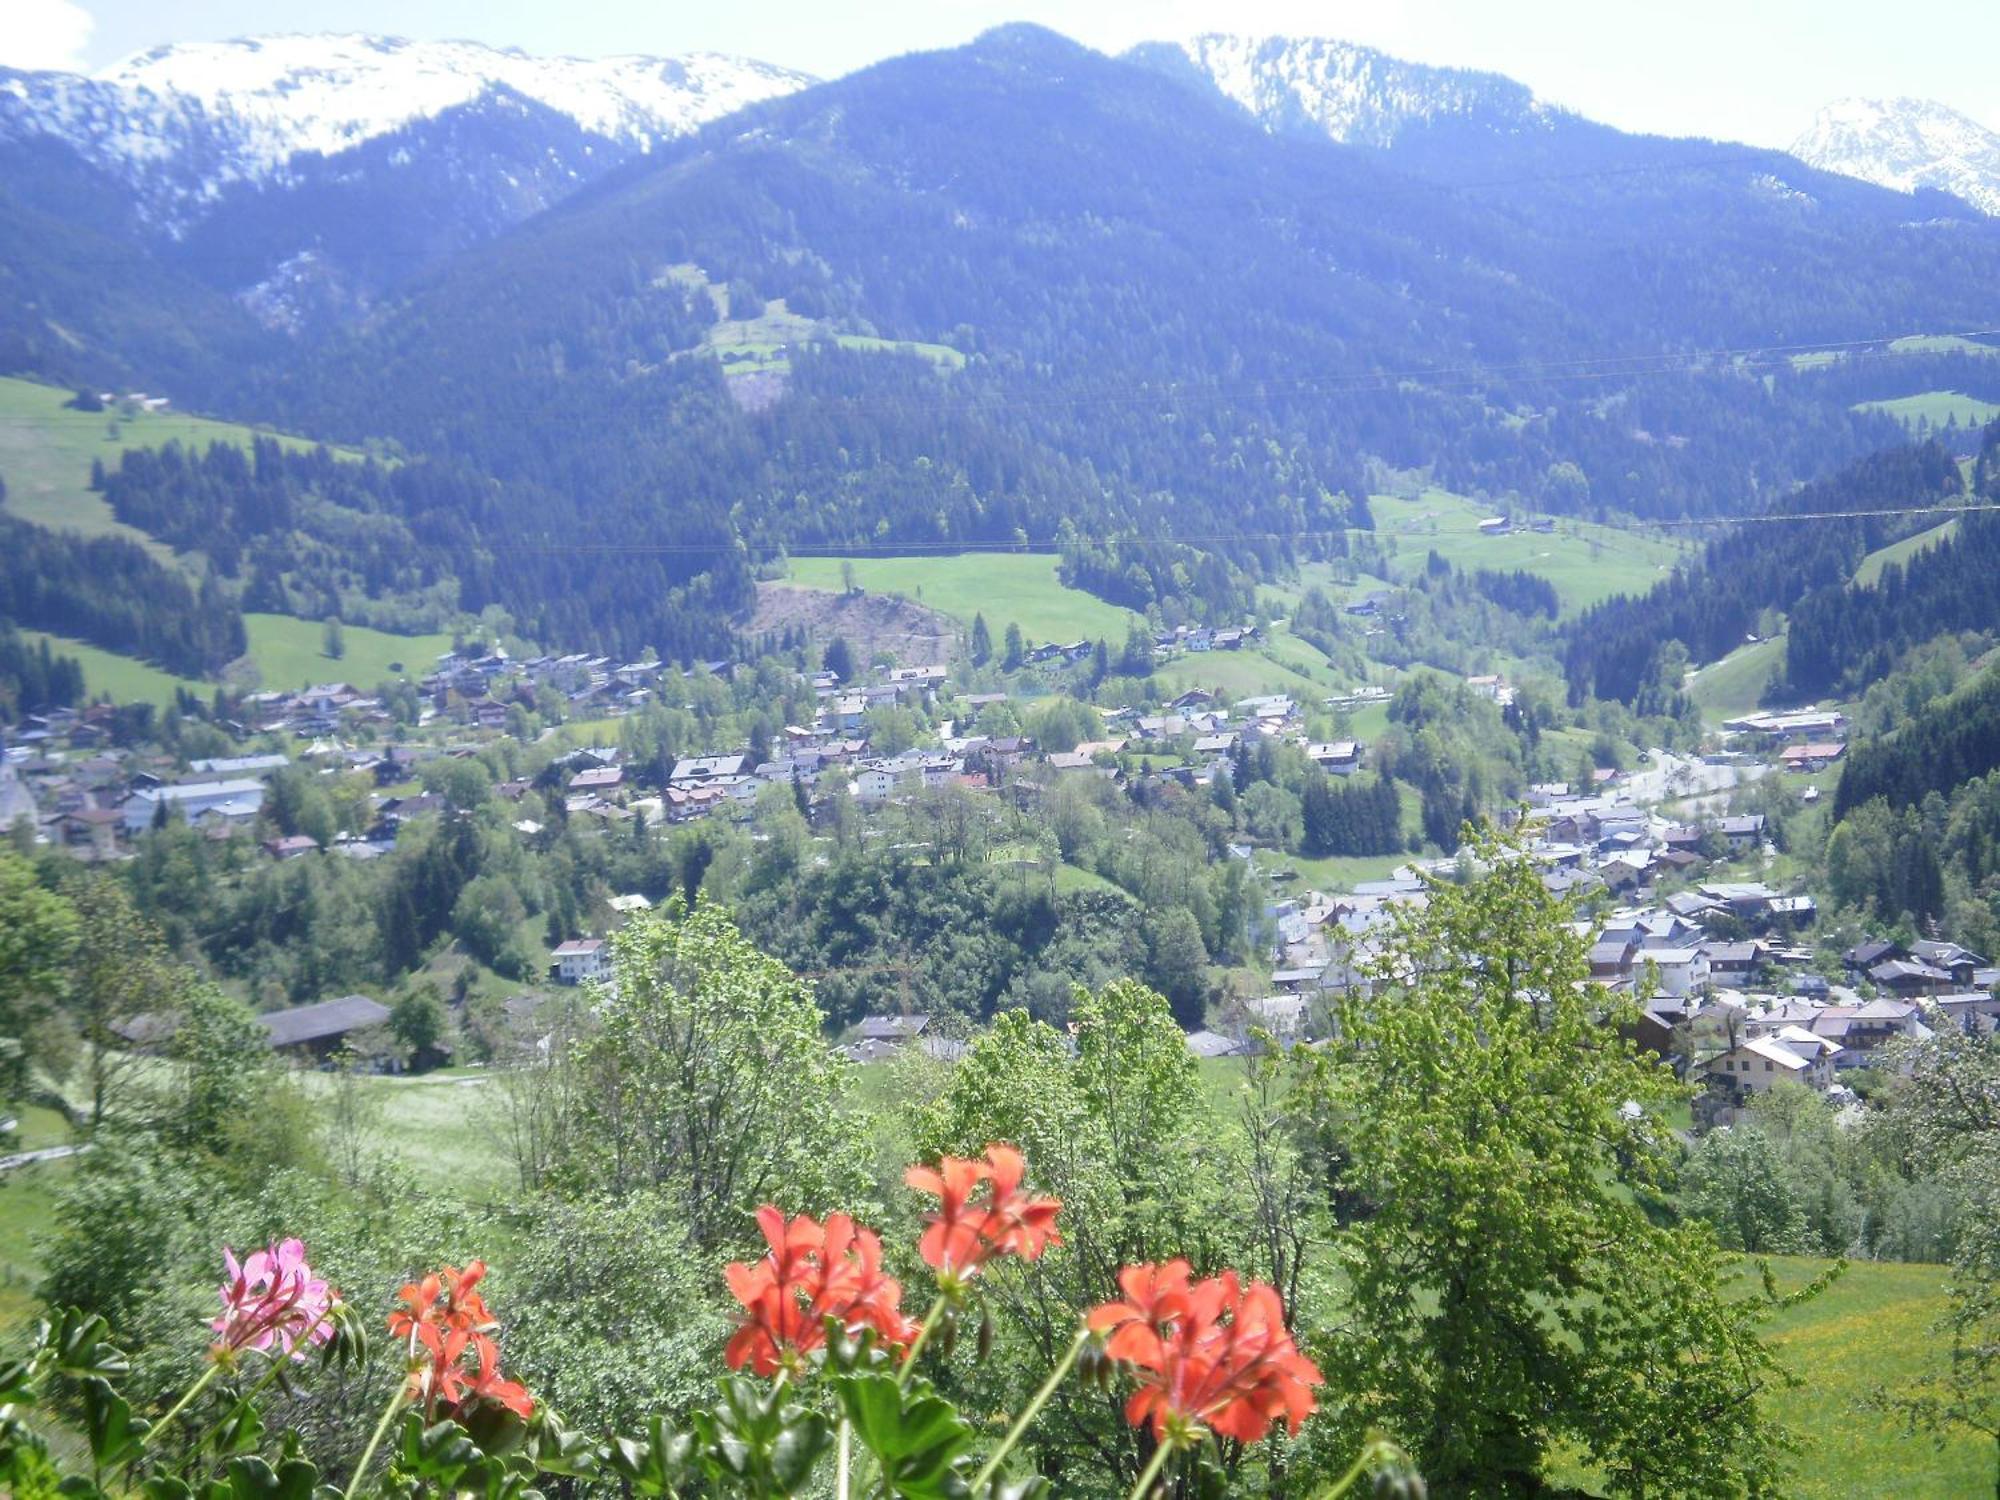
(1753, 70)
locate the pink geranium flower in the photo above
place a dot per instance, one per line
(273, 1303)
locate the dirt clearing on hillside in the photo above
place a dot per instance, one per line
(873, 624)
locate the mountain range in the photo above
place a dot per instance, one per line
(305, 174)
(1907, 144)
(1013, 289)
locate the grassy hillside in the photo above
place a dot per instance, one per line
(1871, 1327)
(1931, 410)
(1733, 686)
(126, 679)
(748, 344)
(1017, 588)
(46, 452)
(290, 653)
(1901, 552)
(1584, 561)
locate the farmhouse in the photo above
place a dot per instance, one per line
(1762, 1062)
(1813, 756)
(318, 1031)
(583, 959)
(1341, 757)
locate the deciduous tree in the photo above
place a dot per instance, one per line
(1510, 1295)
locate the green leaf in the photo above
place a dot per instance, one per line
(654, 1466)
(83, 1350)
(116, 1437)
(439, 1453)
(241, 1431)
(916, 1435)
(758, 1439)
(250, 1477)
(554, 1449)
(21, 1380)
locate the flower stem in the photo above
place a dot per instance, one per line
(214, 1369)
(1152, 1471)
(923, 1337)
(248, 1396)
(842, 1459)
(374, 1441)
(1346, 1481)
(1031, 1410)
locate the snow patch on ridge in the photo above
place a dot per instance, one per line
(1906, 144)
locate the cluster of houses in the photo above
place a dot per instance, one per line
(89, 798)
(1726, 989)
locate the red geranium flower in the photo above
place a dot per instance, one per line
(1209, 1354)
(454, 1362)
(963, 1234)
(811, 1273)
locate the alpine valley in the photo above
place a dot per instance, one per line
(1346, 701)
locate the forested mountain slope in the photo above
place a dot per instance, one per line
(1951, 742)
(303, 174)
(81, 300)
(1617, 648)
(963, 297)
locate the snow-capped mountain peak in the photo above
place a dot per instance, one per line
(307, 174)
(1350, 93)
(1906, 144)
(329, 93)
(187, 121)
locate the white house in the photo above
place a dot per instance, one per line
(1763, 1061)
(1682, 970)
(583, 959)
(873, 784)
(1341, 757)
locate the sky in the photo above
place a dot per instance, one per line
(1750, 70)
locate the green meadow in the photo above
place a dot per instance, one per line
(126, 679)
(1733, 686)
(291, 654)
(1006, 587)
(1585, 562)
(46, 451)
(1933, 410)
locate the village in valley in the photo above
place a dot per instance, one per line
(1736, 985)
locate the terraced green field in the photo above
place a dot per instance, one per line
(1012, 587)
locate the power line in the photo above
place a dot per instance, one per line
(1743, 359)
